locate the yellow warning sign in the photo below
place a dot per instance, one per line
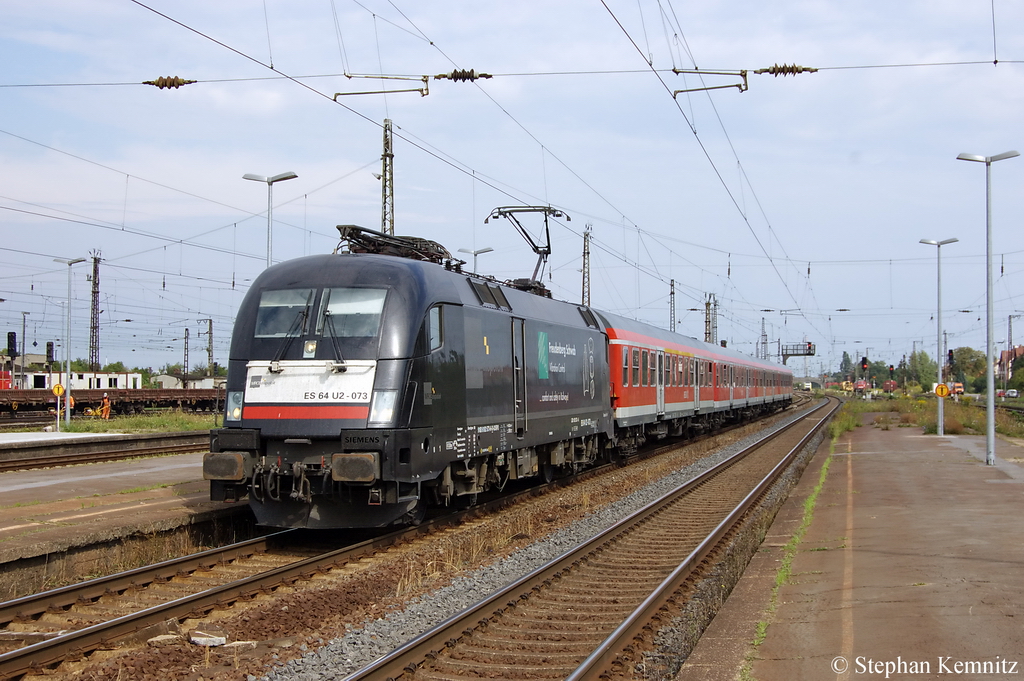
(942, 390)
(58, 389)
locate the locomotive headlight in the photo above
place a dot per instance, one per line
(234, 407)
(309, 349)
(382, 407)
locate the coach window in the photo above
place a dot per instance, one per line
(661, 368)
(644, 359)
(636, 366)
(625, 366)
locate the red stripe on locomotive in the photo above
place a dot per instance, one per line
(305, 412)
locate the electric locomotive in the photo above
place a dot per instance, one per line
(363, 387)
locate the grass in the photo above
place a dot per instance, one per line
(159, 422)
(959, 417)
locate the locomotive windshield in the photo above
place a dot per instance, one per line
(351, 312)
(284, 313)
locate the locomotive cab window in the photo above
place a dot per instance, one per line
(283, 313)
(430, 337)
(351, 312)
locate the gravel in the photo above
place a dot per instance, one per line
(359, 647)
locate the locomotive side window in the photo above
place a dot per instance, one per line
(351, 312)
(283, 313)
(636, 366)
(434, 328)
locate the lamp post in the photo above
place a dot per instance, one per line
(485, 249)
(990, 388)
(270, 202)
(938, 320)
(67, 344)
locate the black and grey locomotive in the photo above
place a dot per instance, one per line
(366, 385)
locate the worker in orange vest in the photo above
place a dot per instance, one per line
(105, 407)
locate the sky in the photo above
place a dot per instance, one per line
(798, 203)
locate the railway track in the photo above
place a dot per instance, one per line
(571, 618)
(64, 452)
(41, 632)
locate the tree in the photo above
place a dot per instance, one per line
(968, 364)
(171, 369)
(846, 365)
(1017, 374)
(922, 369)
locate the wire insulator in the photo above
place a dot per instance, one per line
(786, 69)
(462, 75)
(168, 82)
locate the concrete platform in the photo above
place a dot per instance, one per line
(910, 569)
(51, 510)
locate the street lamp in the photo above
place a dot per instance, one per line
(938, 320)
(270, 201)
(485, 249)
(990, 387)
(67, 347)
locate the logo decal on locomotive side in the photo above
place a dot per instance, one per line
(361, 440)
(255, 381)
(545, 348)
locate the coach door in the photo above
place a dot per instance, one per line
(519, 374)
(661, 383)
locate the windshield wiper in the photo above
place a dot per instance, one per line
(293, 332)
(329, 319)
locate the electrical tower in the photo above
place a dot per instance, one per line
(387, 183)
(184, 368)
(672, 305)
(586, 264)
(763, 345)
(711, 319)
(209, 344)
(94, 316)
